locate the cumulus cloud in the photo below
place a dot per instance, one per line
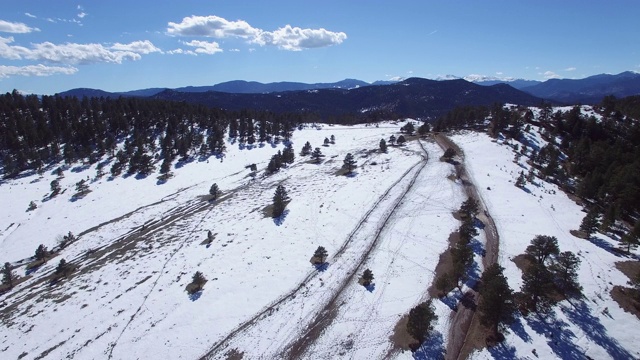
(73, 53)
(181, 51)
(140, 47)
(15, 28)
(287, 37)
(550, 75)
(204, 47)
(35, 70)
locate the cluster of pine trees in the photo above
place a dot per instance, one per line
(36, 132)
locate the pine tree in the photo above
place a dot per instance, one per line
(55, 187)
(288, 155)
(537, 282)
(383, 146)
(565, 271)
(333, 139)
(421, 319)
(349, 163)
(32, 206)
(590, 224)
(8, 276)
(320, 255)
(497, 304)
(401, 140)
(63, 268)
(280, 200)
(521, 181)
(449, 153)
(41, 252)
(214, 191)
(326, 142)
(542, 248)
(366, 278)
(392, 139)
(317, 155)
(470, 208)
(198, 279)
(306, 149)
(443, 284)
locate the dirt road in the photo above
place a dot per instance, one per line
(462, 319)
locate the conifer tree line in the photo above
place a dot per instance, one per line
(35, 132)
(595, 157)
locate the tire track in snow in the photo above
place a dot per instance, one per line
(224, 343)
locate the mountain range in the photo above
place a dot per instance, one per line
(415, 97)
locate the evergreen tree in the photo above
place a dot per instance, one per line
(467, 231)
(41, 252)
(8, 276)
(349, 163)
(565, 271)
(317, 155)
(366, 278)
(82, 188)
(326, 142)
(288, 155)
(275, 163)
(470, 208)
(421, 319)
(521, 181)
(449, 153)
(333, 139)
(306, 149)
(63, 268)
(401, 140)
(55, 187)
(424, 129)
(32, 206)
(198, 279)
(320, 255)
(542, 248)
(392, 139)
(590, 224)
(630, 241)
(408, 128)
(537, 282)
(496, 304)
(383, 146)
(280, 200)
(443, 284)
(214, 191)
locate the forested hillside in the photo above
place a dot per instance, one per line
(35, 133)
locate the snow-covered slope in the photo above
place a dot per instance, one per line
(576, 328)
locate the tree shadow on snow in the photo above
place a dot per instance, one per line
(503, 351)
(280, 219)
(370, 287)
(518, 329)
(477, 247)
(560, 338)
(351, 174)
(605, 245)
(195, 296)
(432, 348)
(322, 267)
(580, 315)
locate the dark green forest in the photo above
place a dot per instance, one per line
(36, 133)
(595, 159)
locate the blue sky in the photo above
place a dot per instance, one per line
(52, 46)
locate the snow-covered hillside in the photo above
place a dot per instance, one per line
(140, 242)
(594, 326)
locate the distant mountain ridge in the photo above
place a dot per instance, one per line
(413, 97)
(589, 90)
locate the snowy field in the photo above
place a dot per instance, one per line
(577, 328)
(127, 299)
(140, 242)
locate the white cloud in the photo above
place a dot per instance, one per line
(204, 47)
(570, 69)
(234, 50)
(35, 70)
(73, 53)
(499, 73)
(181, 51)
(31, 15)
(296, 39)
(550, 75)
(212, 26)
(287, 37)
(15, 28)
(140, 47)
(82, 15)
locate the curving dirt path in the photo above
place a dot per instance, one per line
(461, 321)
